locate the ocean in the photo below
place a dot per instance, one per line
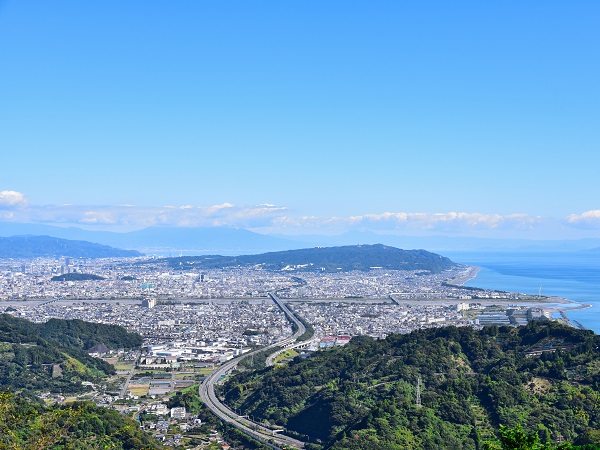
(574, 276)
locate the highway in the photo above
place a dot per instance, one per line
(208, 396)
(271, 359)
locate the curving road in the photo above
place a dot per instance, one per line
(271, 359)
(208, 396)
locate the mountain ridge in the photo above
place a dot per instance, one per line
(29, 246)
(163, 240)
(325, 259)
(233, 241)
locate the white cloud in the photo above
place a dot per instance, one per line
(588, 219)
(96, 217)
(12, 199)
(265, 218)
(135, 217)
(451, 221)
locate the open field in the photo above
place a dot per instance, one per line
(153, 371)
(123, 365)
(139, 389)
(184, 376)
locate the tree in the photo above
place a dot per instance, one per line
(516, 439)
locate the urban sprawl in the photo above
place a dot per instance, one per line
(194, 320)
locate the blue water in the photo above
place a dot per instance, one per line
(574, 276)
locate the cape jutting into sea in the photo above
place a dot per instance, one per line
(574, 276)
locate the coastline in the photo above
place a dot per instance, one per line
(468, 275)
(541, 301)
(473, 271)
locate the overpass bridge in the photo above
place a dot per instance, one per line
(295, 345)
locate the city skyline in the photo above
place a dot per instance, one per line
(432, 119)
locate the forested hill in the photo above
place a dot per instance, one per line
(326, 259)
(39, 246)
(544, 376)
(53, 356)
(25, 424)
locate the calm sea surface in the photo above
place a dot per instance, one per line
(574, 276)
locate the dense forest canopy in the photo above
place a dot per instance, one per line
(25, 424)
(544, 377)
(53, 356)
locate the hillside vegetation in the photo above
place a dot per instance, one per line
(78, 426)
(544, 377)
(326, 259)
(77, 277)
(53, 356)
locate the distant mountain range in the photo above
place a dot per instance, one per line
(330, 259)
(441, 244)
(39, 246)
(165, 241)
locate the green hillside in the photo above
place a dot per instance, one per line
(77, 277)
(78, 426)
(326, 259)
(53, 356)
(545, 377)
(85, 335)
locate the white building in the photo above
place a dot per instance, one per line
(149, 303)
(178, 413)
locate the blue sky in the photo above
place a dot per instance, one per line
(466, 118)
